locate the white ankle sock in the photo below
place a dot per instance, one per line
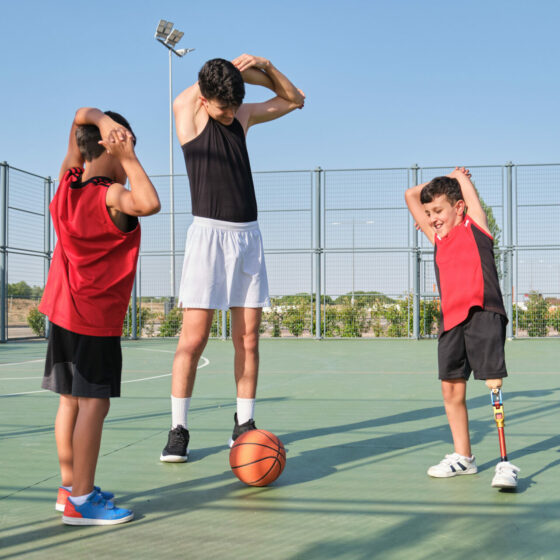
(179, 411)
(69, 488)
(80, 500)
(245, 410)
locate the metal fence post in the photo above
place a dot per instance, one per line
(508, 272)
(317, 251)
(134, 316)
(3, 245)
(224, 323)
(47, 242)
(415, 270)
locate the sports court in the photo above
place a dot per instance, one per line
(361, 422)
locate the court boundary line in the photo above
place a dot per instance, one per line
(200, 366)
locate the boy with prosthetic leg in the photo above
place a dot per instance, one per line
(472, 334)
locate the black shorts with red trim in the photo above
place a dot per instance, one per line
(476, 345)
(83, 366)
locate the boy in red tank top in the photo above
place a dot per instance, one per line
(86, 297)
(472, 334)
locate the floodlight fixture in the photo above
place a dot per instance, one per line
(163, 29)
(174, 37)
(182, 52)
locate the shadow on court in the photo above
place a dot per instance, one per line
(317, 463)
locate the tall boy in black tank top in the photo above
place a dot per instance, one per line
(224, 260)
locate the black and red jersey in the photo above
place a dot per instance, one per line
(94, 262)
(466, 273)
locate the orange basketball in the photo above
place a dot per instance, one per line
(257, 457)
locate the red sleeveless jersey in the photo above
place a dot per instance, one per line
(466, 273)
(94, 262)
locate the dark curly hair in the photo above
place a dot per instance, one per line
(220, 79)
(447, 186)
(88, 136)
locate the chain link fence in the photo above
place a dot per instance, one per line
(343, 256)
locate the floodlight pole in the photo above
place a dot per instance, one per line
(180, 53)
(171, 186)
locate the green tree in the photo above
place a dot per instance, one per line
(353, 321)
(36, 321)
(19, 289)
(534, 318)
(553, 319)
(143, 319)
(494, 230)
(397, 315)
(172, 323)
(294, 319)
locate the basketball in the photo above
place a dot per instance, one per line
(257, 457)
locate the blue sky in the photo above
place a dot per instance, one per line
(388, 83)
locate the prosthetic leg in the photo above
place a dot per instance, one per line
(506, 472)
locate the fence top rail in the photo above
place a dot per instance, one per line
(24, 171)
(371, 169)
(536, 164)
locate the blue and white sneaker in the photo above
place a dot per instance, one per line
(453, 465)
(95, 511)
(63, 496)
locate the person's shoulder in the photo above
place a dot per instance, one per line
(72, 175)
(470, 221)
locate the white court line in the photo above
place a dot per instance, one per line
(206, 361)
(148, 349)
(17, 378)
(20, 363)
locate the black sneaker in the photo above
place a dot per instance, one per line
(239, 429)
(176, 449)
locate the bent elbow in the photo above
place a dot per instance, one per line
(152, 208)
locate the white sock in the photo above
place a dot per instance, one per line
(69, 488)
(179, 410)
(245, 410)
(80, 500)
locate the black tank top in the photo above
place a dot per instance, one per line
(220, 174)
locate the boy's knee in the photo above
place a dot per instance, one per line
(192, 345)
(248, 342)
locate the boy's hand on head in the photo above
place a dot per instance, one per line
(303, 102)
(460, 171)
(246, 61)
(119, 143)
(494, 383)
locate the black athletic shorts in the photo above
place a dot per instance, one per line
(477, 345)
(82, 365)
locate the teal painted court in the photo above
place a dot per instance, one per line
(361, 422)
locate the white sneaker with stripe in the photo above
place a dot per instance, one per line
(453, 465)
(505, 476)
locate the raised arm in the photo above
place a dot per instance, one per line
(470, 196)
(142, 198)
(259, 71)
(416, 208)
(86, 115)
(186, 106)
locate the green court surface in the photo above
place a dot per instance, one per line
(361, 422)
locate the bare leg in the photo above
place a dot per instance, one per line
(192, 341)
(63, 431)
(245, 334)
(454, 399)
(86, 442)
